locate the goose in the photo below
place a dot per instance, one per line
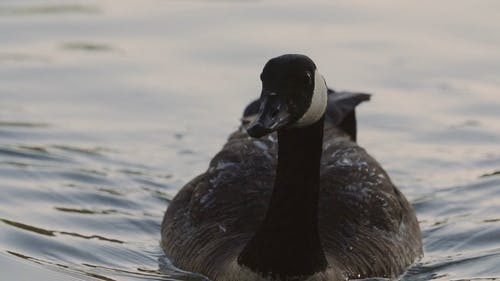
(291, 196)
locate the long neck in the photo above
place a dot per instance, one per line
(287, 243)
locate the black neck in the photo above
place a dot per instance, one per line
(287, 243)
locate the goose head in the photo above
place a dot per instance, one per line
(294, 94)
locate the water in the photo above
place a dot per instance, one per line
(108, 107)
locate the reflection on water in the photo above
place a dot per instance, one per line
(107, 109)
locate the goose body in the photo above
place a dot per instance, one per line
(299, 200)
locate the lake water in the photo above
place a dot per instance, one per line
(108, 107)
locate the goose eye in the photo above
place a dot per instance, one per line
(308, 78)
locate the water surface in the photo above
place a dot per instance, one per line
(108, 107)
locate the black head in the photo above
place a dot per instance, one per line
(294, 94)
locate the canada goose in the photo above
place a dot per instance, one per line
(291, 196)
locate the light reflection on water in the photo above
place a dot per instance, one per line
(107, 108)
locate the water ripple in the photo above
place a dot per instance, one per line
(47, 9)
(46, 232)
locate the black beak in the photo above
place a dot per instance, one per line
(273, 115)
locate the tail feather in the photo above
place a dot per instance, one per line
(340, 110)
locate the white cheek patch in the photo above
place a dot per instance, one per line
(318, 102)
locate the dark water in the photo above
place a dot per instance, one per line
(108, 107)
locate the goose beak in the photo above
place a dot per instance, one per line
(273, 115)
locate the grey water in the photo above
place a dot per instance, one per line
(108, 107)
